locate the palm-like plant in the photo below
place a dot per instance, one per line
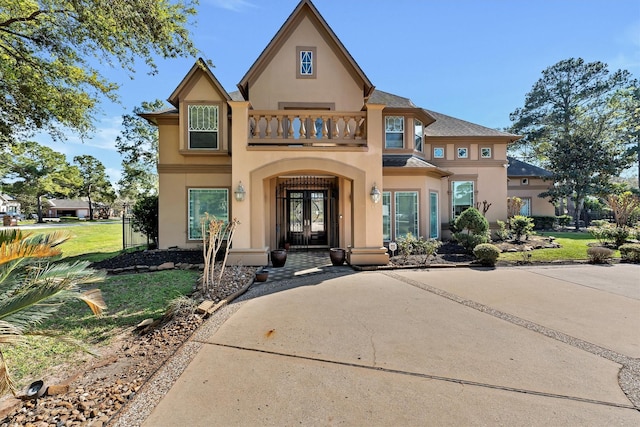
(32, 288)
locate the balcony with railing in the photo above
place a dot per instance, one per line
(307, 128)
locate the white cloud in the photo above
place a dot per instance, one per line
(234, 5)
(114, 175)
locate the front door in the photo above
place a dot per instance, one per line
(307, 217)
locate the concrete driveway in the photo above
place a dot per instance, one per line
(511, 346)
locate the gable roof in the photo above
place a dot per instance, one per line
(201, 65)
(450, 126)
(68, 203)
(520, 168)
(409, 161)
(304, 7)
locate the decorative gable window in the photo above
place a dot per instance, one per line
(203, 127)
(306, 62)
(394, 132)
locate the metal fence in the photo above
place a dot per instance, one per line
(130, 237)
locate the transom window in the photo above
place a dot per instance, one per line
(214, 201)
(485, 152)
(463, 152)
(419, 135)
(461, 197)
(394, 131)
(203, 126)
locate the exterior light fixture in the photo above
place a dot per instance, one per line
(375, 193)
(240, 192)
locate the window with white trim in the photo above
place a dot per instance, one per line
(394, 132)
(525, 208)
(438, 152)
(203, 126)
(485, 152)
(419, 135)
(214, 201)
(386, 216)
(461, 197)
(406, 213)
(463, 152)
(306, 63)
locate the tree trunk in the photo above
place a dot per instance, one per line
(39, 198)
(579, 202)
(90, 204)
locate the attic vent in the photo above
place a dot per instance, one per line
(524, 181)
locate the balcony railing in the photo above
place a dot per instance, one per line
(307, 128)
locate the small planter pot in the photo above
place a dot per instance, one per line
(337, 256)
(262, 276)
(278, 257)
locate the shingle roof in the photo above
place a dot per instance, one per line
(409, 161)
(236, 95)
(390, 100)
(450, 126)
(520, 168)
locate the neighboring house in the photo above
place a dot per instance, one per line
(9, 205)
(527, 181)
(308, 152)
(57, 208)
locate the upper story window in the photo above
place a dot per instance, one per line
(419, 136)
(485, 152)
(203, 126)
(463, 152)
(438, 152)
(394, 132)
(307, 62)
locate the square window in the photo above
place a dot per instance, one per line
(214, 201)
(394, 131)
(485, 152)
(438, 153)
(463, 153)
(203, 126)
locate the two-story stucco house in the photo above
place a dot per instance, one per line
(309, 152)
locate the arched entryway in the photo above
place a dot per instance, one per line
(307, 212)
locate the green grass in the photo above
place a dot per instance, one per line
(130, 299)
(573, 247)
(89, 241)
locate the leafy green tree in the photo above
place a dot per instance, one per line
(49, 50)
(572, 127)
(32, 289)
(38, 171)
(138, 144)
(95, 183)
(472, 229)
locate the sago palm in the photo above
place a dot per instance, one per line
(32, 288)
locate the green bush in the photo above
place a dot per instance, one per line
(610, 233)
(410, 245)
(503, 233)
(599, 254)
(145, 218)
(521, 226)
(473, 229)
(543, 222)
(630, 252)
(564, 220)
(487, 254)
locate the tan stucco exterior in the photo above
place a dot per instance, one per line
(325, 128)
(529, 188)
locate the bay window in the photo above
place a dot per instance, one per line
(394, 132)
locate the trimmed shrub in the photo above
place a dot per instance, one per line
(473, 229)
(630, 252)
(521, 226)
(487, 254)
(599, 254)
(543, 222)
(410, 245)
(564, 220)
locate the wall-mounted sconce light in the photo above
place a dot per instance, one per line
(240, 192)
(375, 193)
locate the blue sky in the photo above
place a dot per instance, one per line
(471, 59)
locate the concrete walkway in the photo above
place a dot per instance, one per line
(511, 346)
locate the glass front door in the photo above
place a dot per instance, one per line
(306, 217)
